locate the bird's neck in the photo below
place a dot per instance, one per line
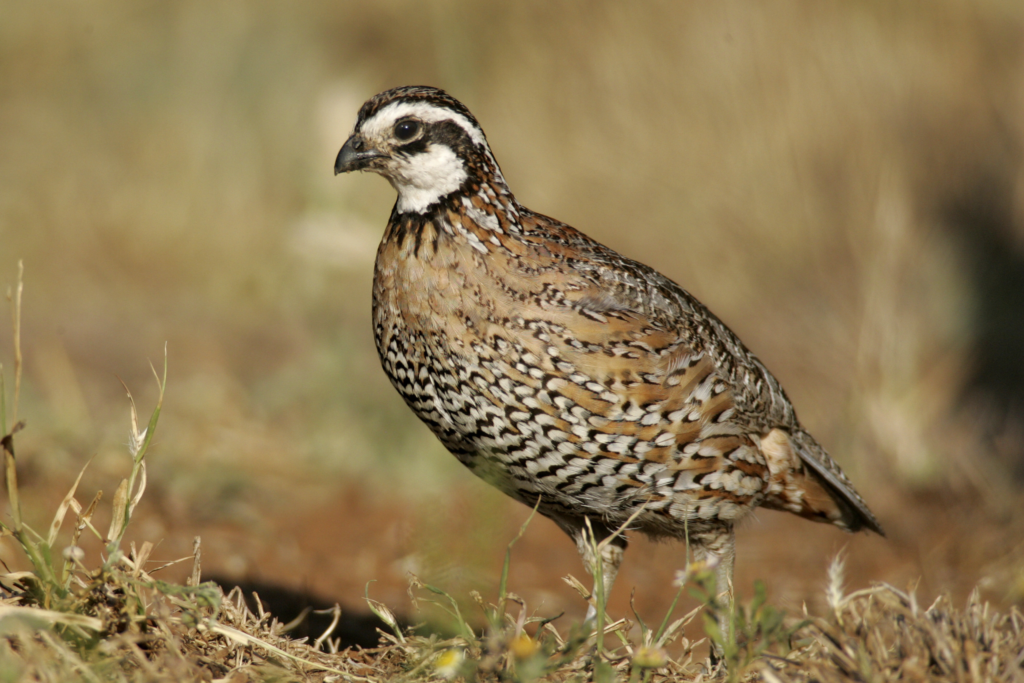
(482, 216)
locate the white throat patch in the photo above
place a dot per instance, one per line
(426, 177)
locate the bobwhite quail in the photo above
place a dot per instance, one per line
(565, 374)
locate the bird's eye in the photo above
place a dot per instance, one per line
(407, 130)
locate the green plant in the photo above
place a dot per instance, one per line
(751, 630)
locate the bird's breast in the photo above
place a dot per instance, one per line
(542, 397)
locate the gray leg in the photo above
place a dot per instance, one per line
(611, 553)
(718, 547)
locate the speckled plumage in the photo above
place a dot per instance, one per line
(562, 372)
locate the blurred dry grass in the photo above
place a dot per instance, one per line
(841, 183)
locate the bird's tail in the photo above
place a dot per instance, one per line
(807, 482)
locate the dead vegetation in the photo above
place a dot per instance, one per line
(117, 622)
(883, 634)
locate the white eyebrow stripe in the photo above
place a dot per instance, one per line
(424, 111)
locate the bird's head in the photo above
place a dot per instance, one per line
(424, 141)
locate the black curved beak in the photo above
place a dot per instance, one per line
(355, 155)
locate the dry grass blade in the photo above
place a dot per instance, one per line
(85, 518)
(197, 562)
(30, 615)
(242, 638)
(171, 563)
(335, 618)
(135, 438)
(578, 586)
(384, 614)
(139, 489)
(62, 509)
(11, 476)
(119, 518)
(676, 627)
(15, 300)
(140, 558)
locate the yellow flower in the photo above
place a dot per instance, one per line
(449, 661)
(650, 658)
(523, 646)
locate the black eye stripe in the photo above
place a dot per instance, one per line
(414, 147)
(444, 133)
